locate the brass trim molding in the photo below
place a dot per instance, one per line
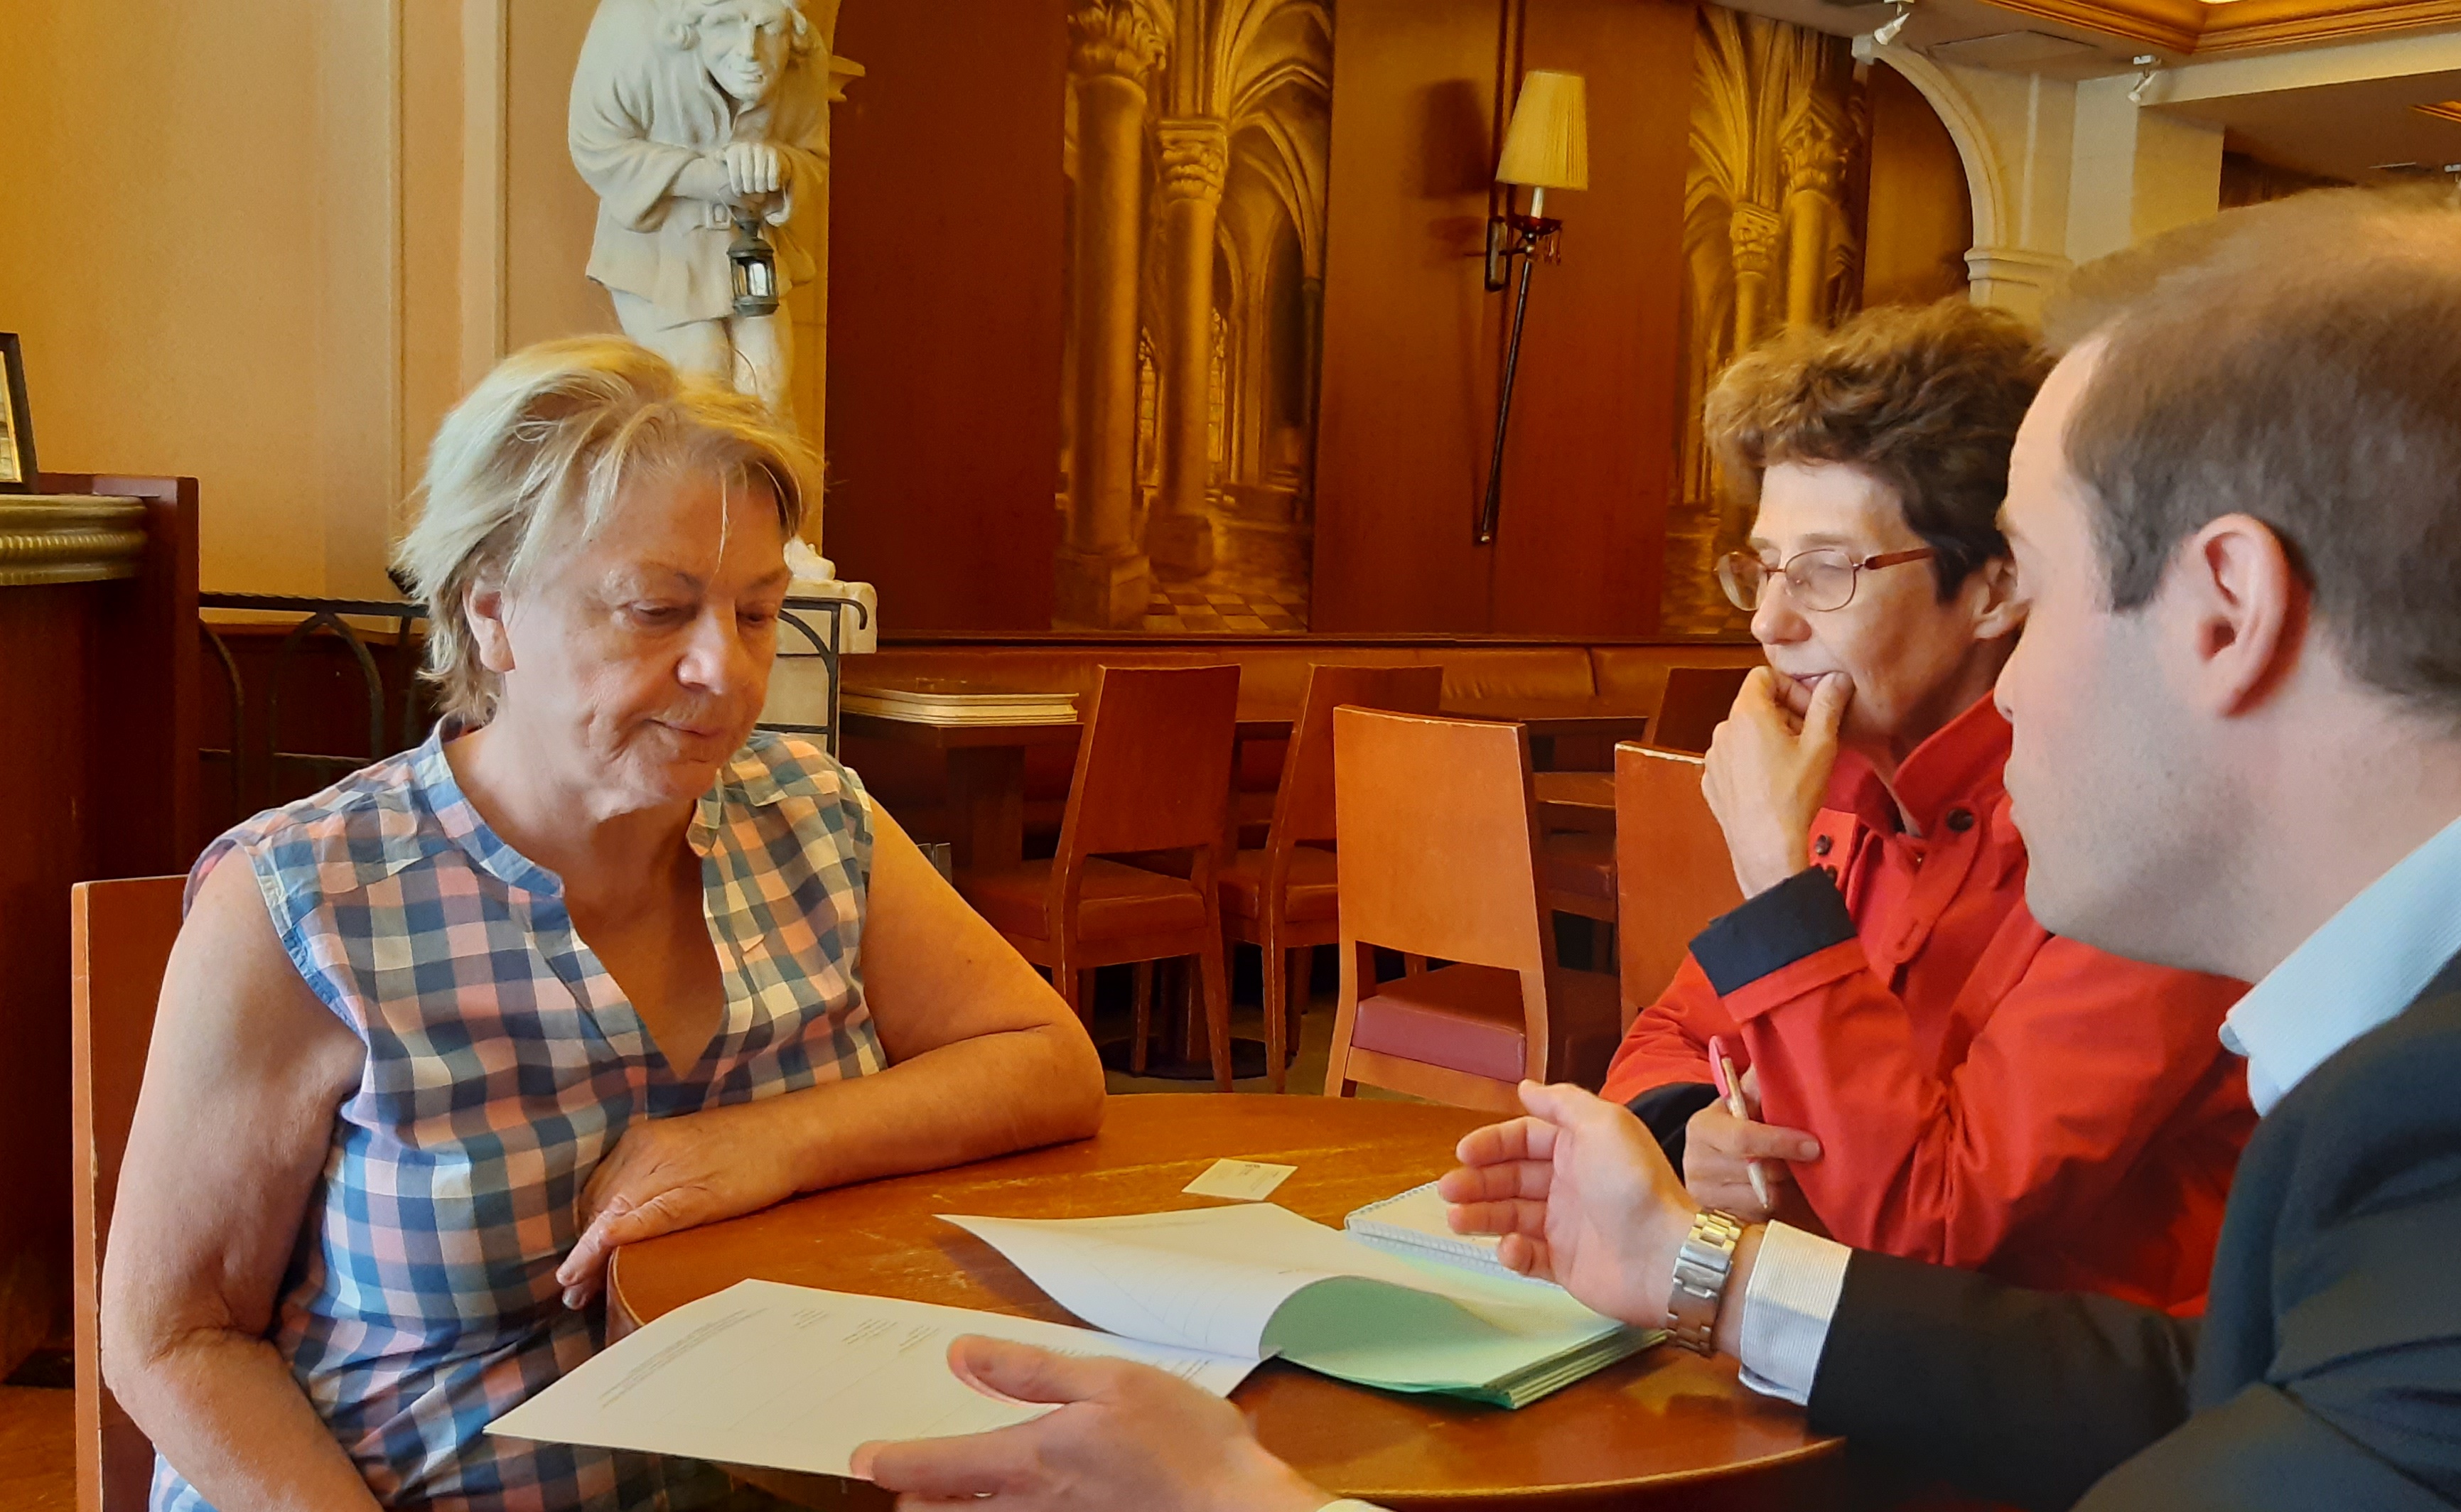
(69, 538)
(2172, 26)
(2191, 28)
(2237, 25)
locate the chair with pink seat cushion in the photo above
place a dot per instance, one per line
(1440, 858)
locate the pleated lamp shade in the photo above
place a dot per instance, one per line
(1547, 144)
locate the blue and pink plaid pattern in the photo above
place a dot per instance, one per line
(503, 1064)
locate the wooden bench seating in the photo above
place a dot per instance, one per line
(911, 780)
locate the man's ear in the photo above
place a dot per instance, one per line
(1998, 610)
(483, 609)
(2234, 609)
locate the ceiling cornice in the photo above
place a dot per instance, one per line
(2171, 26)
(2185, 29)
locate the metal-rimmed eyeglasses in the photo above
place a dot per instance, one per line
(1819, 580)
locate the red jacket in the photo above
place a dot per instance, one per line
(1985, 1094)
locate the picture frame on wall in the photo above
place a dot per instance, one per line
(17, 424)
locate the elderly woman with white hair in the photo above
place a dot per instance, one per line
(594, 963)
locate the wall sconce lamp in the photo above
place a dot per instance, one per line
(1546, 147)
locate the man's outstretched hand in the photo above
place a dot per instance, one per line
(1127, 1439)
(1582, 1195)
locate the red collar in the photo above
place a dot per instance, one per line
(1958, 767)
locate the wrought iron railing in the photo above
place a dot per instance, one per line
(255, 755)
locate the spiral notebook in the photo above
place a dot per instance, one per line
(1413, 1225)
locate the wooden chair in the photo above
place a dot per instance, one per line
(1440, 858)
(1696, 703)
(120, 938)
(1284, 898)
(1153, 781)
(1673, 874)
(1583, 866)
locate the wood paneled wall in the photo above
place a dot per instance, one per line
(1410, 337)
(1414, 345)
(947, 239)
(1590, 465)
(98, 779)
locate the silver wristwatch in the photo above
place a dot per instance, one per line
(1701, 1267)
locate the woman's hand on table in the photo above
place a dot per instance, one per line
(1127, 1439)
(668, 1174)
(1581, 1195)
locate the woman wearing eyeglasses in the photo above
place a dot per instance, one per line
(1928, 1072)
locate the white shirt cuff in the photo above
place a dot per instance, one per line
(1787, 1303)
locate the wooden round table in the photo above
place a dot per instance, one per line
(1664, 1428)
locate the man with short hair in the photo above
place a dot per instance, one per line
(2236, 507)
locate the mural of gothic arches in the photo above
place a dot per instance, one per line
(1197, 155)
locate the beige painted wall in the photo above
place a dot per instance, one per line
(549, 210)
(268, 244)
(195, 246)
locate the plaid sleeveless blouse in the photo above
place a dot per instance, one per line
(503, 1065)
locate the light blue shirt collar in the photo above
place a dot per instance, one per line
(2368, 963)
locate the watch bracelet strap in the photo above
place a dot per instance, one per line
(1704, 1266)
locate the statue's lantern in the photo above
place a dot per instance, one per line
(754, 268)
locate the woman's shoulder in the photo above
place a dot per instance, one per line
(772, 766)
(366, 827)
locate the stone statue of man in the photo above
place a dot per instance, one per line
(687, 113)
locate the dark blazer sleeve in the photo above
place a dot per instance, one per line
(2328, 1375)
(2020, 1396)
(2349, 1396)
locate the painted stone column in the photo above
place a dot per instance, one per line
(1813, 157)
(1195, 154)
(1104, 580)
(1754, 231)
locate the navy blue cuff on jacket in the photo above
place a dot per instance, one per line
(1667, 1112)
(1801, 916)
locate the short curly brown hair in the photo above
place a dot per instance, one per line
(1925, 398)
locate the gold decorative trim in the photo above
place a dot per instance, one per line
(2171, 26)
(2195, 28)
(2442, 110)
(2237, 25)
(69, 538)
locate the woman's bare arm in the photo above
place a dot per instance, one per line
(984, 1058)
(233, 1128)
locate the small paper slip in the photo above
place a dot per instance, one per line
(1256, 1281)
(795, 1379)
(1241, 1181)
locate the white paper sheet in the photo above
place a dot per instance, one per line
(1211, 1278)
(1240, 1181)
(795, 1379)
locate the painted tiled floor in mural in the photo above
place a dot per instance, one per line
(1229, 604)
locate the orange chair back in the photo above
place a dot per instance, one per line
(119, 941)
(1439, 845)
(1672, 872)
(1154, 770)
(1303, 808)
(1696, 703)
